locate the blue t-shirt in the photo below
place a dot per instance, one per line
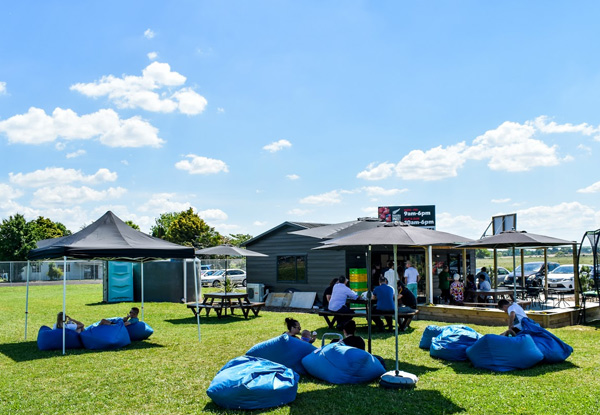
(385, 297)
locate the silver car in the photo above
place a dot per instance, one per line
(216, 278)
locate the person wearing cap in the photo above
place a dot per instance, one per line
(457, 291)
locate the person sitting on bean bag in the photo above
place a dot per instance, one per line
(70, 324)
(130, 318)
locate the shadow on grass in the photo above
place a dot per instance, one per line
(28, 351)
(465, 368)
(211, 319)
(359, 399)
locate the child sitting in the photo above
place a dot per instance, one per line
(309, 337)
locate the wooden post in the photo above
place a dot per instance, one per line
(576, 274)
(523, 283)
(495, 268)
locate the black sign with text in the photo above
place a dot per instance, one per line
(423, 216)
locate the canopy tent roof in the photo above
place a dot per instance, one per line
(396, 234)
(338, 230)
(516, 239)
(109, 238)
(227, 250)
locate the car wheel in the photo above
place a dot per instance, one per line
(244, 283)
(217, 284)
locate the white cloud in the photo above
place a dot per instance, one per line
(329, 198)
(511, 147)
(55, 175)
(463, 225)
(36, 127)
(221, 110)
(125, 162)
(9, 193)
(277, 146)
(226, 228)
(377, 172)
(152, 55)
(299, 212)
(550, 220)
(584, 148)
(2, 88)
(66, 194)
(380, 191)
(148, 34)
(201, 165)
(164, 202)
(593, 188)
(131, 91)
(505, 200)
(292, 176)
(212, 214)
(75, 154)
(259, 223)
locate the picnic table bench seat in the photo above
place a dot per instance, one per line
(522, 303)
(404, 318)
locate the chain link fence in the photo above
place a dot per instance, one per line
(16, 271)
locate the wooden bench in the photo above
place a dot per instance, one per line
(219, 307)
(404, 318)
(522, 303)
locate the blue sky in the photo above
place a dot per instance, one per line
(255, 113)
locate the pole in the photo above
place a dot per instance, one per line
(523, 282)
(514, 276)
(369, 294)
(185, 280)
(546, 273)
(430, 272)
(495, 269)
(142, 278)
(197, 300)
(576, 275)
(64, 303)
(396, 305)
(27, 297)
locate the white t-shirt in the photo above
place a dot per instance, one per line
(519, 315)
(411, 274)
(70, 326)
(392, 277)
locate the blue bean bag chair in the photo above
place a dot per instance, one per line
(104, 337)
(49, 339)
(249, 382)
(139, 331)
(553, 348)
(285, 350)
(428, 335)
(502, 354)
(452, 342)
(341, 364)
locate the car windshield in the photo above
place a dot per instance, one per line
(563, 269)
(529, 268)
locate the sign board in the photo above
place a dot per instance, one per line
(423, 216)
(503, 223)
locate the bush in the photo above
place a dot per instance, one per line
(54, 273)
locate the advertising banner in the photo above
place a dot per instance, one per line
(423, 216)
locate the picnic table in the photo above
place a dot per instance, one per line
(221, 302)
(494, 293)
(404, 317)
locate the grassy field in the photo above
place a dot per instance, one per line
(507, 261)
(169, 373)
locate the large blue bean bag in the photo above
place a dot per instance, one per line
(139, 331)
(553, 348)
(107, 336)
(285, 350)
(49, 339)
(452, 342)
(502, 354)
(428, 335)
(249, 382)
(340, 364)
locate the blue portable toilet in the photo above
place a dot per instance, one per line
(118, 285)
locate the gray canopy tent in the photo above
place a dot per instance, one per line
(108, 238)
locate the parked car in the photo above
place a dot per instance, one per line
(534, 274)
(502, 273)
(564, 277)
(216, 278)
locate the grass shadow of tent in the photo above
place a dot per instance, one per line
(28, 351)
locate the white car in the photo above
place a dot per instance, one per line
(216, 278)
(563, 276)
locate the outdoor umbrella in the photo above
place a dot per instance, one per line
(516, 239)
(339, 229)
(228, 251)
(394, 234)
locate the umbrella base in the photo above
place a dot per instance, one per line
(398, 380)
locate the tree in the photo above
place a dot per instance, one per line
(482, 253)
(236, 239)
(16, 239)
(133, 225)
(162, 224)
(186, 228)
(43, 228)
(54, 272)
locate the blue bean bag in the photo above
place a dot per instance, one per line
(285, 350)
(249, 382)
(139, 331)
(452, 342)
(49, 339)
(502, 354)
(553, 348)
(341, 364)
(428, 335)
(103, 337)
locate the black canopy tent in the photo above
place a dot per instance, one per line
(108, 238)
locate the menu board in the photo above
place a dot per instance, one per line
(423, 216)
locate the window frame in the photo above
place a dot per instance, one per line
(304, 257)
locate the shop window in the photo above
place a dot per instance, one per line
(291, 268)
(36, 267)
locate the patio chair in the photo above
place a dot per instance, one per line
(533, 294)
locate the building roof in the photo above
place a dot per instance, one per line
(299, 225)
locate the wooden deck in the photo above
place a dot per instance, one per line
(550, 318)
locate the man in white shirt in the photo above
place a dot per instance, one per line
(337, 303)
(516, 314)
(411, 278)
(391, 276)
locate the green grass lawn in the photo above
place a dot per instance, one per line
(170, 372)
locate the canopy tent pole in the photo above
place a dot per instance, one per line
(430, 272)
(514, 276)
(495, 269)
(576, 282)
(27, 297)
(142, 278)
(197, 299)
(546, 273)
(396, 305)
(185, 280)
(369, 295)
(64, 316)
(523, 282)
(464, 263)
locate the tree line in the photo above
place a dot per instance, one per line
(18, 236)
